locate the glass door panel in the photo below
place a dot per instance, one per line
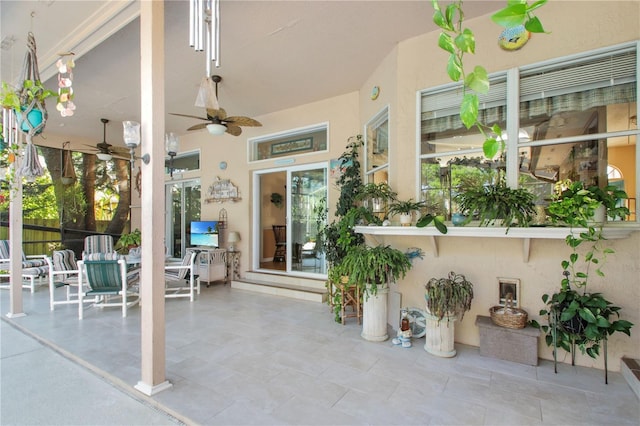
(183, 207)
(308, 195)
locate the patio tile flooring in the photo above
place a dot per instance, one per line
(241, 358)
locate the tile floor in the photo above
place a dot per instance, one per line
(236, 357)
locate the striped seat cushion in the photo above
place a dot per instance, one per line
(103, 256)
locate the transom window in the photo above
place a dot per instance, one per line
(290, 143)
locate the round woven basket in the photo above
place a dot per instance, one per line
(508, 316)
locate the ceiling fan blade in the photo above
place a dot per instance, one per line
(233, 130)
(189, 116)
(220, 114)
(198, 126)
(243, 121)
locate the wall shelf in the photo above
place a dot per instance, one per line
(612, 231)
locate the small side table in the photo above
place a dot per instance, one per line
(233, 264)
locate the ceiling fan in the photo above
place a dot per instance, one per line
(105, 151)
(217, 120)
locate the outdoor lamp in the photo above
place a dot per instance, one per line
(132, 139)
(172, 145)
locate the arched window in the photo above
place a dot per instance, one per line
(613, 173)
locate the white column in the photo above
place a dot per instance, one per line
(374, 315)
(15, 245)
(152, 201)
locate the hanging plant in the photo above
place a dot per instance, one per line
(458, 41)
(277, 200)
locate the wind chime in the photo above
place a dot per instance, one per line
(204, 34)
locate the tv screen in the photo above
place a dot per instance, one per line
(204, 234)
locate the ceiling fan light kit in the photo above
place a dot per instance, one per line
(217, 120)
(216, 129)
(104, 156)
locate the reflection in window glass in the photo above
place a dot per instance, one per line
(377, 147)
(575, 117)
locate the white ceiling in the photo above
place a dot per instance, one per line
(274, 54)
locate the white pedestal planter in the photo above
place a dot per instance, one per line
(439, 337)
(374, 315)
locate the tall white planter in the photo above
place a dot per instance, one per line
(374, 315)
(439, 337)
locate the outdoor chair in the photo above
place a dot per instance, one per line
(34, 267)
(180, 278)
(280, 235)
(109, 283)
(63, 272)
(97, 244)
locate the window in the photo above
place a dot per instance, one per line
(287, 144)
(184, 162)
(377, 147)
(574, 117)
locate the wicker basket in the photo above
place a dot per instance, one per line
(508, 316)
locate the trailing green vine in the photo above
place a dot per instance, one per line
(458, 41)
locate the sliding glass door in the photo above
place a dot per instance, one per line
(182, 204)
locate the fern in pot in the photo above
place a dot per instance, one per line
(447, 298)
(371, 269)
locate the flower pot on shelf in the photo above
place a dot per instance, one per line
(406, 219)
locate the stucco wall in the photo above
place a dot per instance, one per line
(575, 27)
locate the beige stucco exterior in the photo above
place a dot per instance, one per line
(418, 64)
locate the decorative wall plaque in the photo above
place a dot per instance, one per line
(222, 190)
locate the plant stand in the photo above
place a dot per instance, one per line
(374, 315)
(439, 337)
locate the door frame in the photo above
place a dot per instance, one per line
(255, 215)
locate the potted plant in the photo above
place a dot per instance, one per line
(406, 210)
(372, 269)
(376, 197)
(337, 237)
(447, 298)
(129, 240)
(498, 203)
(32, 101)
(577, 318)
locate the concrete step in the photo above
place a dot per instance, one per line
(630, 369)
(293, 287)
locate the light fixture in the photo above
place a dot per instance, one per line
(68, 171)
(204, 29)
(132, 139)
(172, 145)
(104, 156)
(216, 129)
(233, 237)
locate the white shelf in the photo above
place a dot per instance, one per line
(612, 231)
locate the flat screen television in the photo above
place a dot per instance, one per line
(204, 233)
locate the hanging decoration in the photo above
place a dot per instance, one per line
(204, 29)
(65, 66)
(33, 113)
(68, 171)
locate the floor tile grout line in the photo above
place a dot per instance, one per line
(108, 378)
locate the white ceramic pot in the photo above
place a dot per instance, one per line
(439, 336)
(374, 315)
(406, 219)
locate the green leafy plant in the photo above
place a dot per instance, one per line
(34, 90)
(427, 218)
(369, 267)
(497, 202)
(277, 199)
(406, 207)
(9, 98)
(126, 241)
(449, 296)
(575, 317)
(458, 40)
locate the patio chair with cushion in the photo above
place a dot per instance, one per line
(97, 244)
(180, 278)
(109, 282)
(34, 267)
(63, 272)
